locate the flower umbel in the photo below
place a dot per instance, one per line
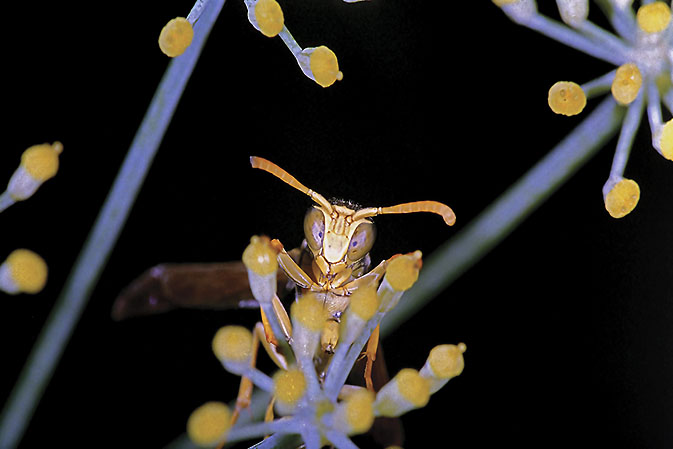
(642, 51)
(313, 398)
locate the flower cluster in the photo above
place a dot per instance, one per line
(319, 406)
(24, 271)
(318, 63)
(642, 51)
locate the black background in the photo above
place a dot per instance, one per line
(568, 323)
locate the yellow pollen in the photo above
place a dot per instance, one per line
(289, 386)
(232, 343)
(666, 140)
(175, 37)
(325, 66)
(269, 17)
(446, 361)
(364, 302)
(627, 82)
(41, 161)
(209, 423)
(360, 411)
(260, 257)
(402, 271)
(654, 17)
(622, 198)
(566, 98)
(309, 312)
(413, 387)
(28, 270)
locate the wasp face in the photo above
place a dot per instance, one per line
(336, 239)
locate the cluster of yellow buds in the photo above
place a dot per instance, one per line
(642, 51)
(24, 271)
(318, 63)
(320, 407)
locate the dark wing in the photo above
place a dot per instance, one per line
(198, 285)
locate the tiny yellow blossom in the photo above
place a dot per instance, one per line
(666, 140)
(325, 66)
(38, 164)
(233, 343)
(654, 17)
(356, 412)
(627, 82)
(622, 198)
(402, 271)
(309, 312)
(269, 17)
(23, 272)
(209, 424)
(566, 98)
(175, 37)
(289, 387)
(364, 302)
(260, 257)
(406, 391)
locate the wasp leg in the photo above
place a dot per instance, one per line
(372, 346)
(245, 389)
(283, 320)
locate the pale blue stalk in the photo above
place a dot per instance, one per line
(572, 38)
(57, 331)
(5, 200)
(626, 136)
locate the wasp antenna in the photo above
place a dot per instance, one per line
(270, 167)
(434, 207)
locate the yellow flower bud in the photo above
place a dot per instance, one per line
(175, 37)
(209, 424)
(23, 272)
(622, 198)
(566, 98)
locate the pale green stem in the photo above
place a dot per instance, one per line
(496, 222)
(55, 335)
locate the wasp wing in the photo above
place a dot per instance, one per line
(194, 285)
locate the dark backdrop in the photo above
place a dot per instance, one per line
(567, 323)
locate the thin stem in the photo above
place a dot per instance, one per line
(572, 38)
(653, 106)
(6, 200)
(500, 218)
(255, 430)
(626, 136)
(603, 37)
(52, 341)
(196, 11)
(600, 85)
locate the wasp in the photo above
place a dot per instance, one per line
(332, 262)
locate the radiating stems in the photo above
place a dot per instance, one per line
(572, 38)
(91, 260)
(500, 218)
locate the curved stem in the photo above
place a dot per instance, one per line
(90, 263)
(500, 218)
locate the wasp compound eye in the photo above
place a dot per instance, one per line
(314, 228)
